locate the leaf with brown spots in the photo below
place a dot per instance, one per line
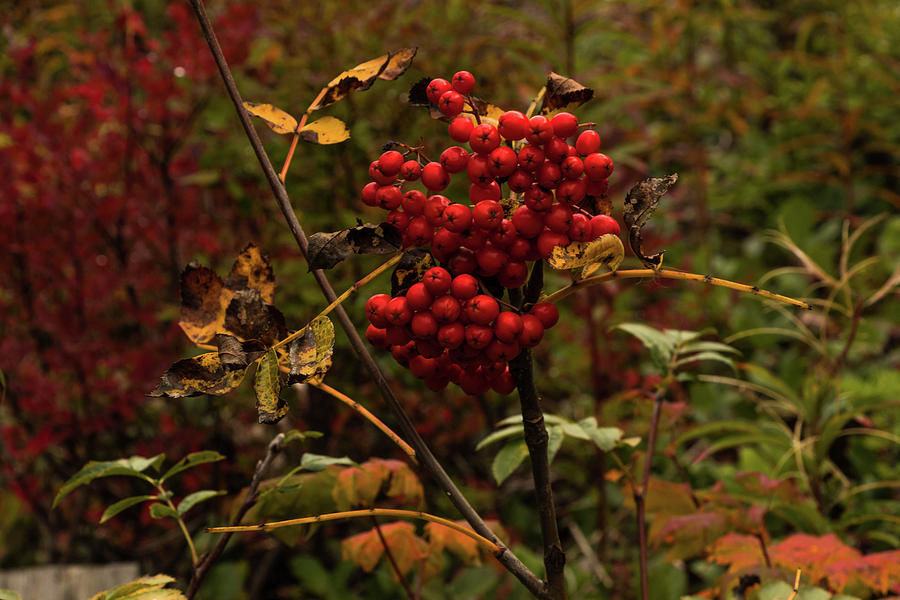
(640, 203)
(359, 78)
(326, 130)
(235, 354)
(203, 302)
(310, 354)
(562, 93)
(398, 63)
(410, 269)
(607, 250)
(328, 249)
(251, 269)
(203, 374)
(270, 406)
(249, 318)
(277, 120)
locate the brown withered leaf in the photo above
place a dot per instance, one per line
(607, 250)
(270, 406)
(398, 63)
(563, 92)
(235, 354)
(410, 269)
(326, 130)
(277, 120)
(328, 249)
(251, 269)
(359, 78)
(640, 203)
(418, 95)
(248, 317)
(310, 354)
(487, 110)
(203, 374)
(203, 301)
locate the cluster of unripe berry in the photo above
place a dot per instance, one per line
(445, 330)
(547, 180)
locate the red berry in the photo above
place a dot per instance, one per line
(435, 177)
(504, 383)
(398, 219)
(564, 124)
(437, 281)
(532, 331)
(423, 325)
(480, 193)
(377, 337)
(572, 167)
(491, 259)
(390, 162)
(588, 142)
(547, 313)
(451, 335)
(419, 232)
(429, 349)
(519, 250)
(513, 125)
(478, 336)
(446, 309)
(484, 138)
(508, 327)
(478, 170)
(436, 88)
(580, 230)
(504, 235)
(388, 197)
(571, 191)
(527, 222)
(530, 157)
(435, 206)
(558, 218)
(548, 240)
(597, 166)
(397, 311)
(464, 287)
(603, 224)
(446, 242)
(473, 383)
(422, 367)
(488, 214)
(451, 103)
(482, 309)
(413, 202)
(598, 189)
(403, 353)
(540, 130)
(538, 199)
(418, 297)
(397, 336)
(463, 261)
(379, 177)
(460, 128)
(375, 307)
(520, 180)
(549, 175)
(454, 159)
(411, 170)
(474, 238)
(556, 150)
(502, 352)
(457, 217)
(463, 82)
(368, 194)
(503, 161)
(513, 274)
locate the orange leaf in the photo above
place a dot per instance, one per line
(361, 486)
(444, 538)
(814, 555)
(366, 549)
(738, 551)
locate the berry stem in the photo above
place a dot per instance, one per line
(670, 274)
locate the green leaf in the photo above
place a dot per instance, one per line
(705, 356)
(9, 595)
(501, 434)
(660, 345)
(94, 469)
(604, 438)
(159, 511)
(121, 505)
(775, 590)
(318, 462)
(702, 346)
(192, 500)
(139, 587)
(508, 459)
(556, 434)
(270, 406)
(192, 459)
(298, 436)
(326, 130)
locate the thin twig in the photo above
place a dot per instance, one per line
(426, 458)
(640, 492)
(207, 560)
(392, 560)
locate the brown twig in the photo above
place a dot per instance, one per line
(640, 493)
(207, 560)
(392, 560)
(427, 459)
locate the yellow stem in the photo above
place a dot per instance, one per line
(669, 274)
(370, 512)
(369, 417)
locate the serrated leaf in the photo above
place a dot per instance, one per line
(202, 374)
(326, 130)
(161, 511)
(192, 500)
(359, 78)
(508, 459)
(317, 462)
(500, 434)
(96, 469)
(277, 120)
(563, 92)
(640, 203)
(270, 406)
(121, 505)
(410, 269)
(398, 63)
(192, 459)
(310, 354)
(328, 249)
(607, 250)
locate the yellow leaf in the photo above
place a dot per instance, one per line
(270, 406)
(202, 374)
(361, 77)
(310, 354)
(326, 130)
(251, 269)
(277, 120)
(607, 250)
(398, 63)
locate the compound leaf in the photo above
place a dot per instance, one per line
(96, 469)
(121, 505)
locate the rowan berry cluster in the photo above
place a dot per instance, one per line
(443, 329)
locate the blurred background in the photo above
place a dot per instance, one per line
(121, 160)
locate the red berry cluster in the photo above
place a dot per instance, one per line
(463, 336)
(444, 330)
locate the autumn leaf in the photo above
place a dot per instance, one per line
(235, 354)
(310, 354)
(248, 317)
(362, 76)
(366, 549)
(607, 250)
(277, 120)
(738, 551)
(326, 130)
(458, 544)
(252, 270)
(203, 374)
(328, 249)
(398, 63)
(410, 269)
(640, 203)
(270, 406)
(361, 486)
(563, 92)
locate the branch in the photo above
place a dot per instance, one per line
(640, 493)
(426, 458)
(207, 561)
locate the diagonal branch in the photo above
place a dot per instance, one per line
(426, 458)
